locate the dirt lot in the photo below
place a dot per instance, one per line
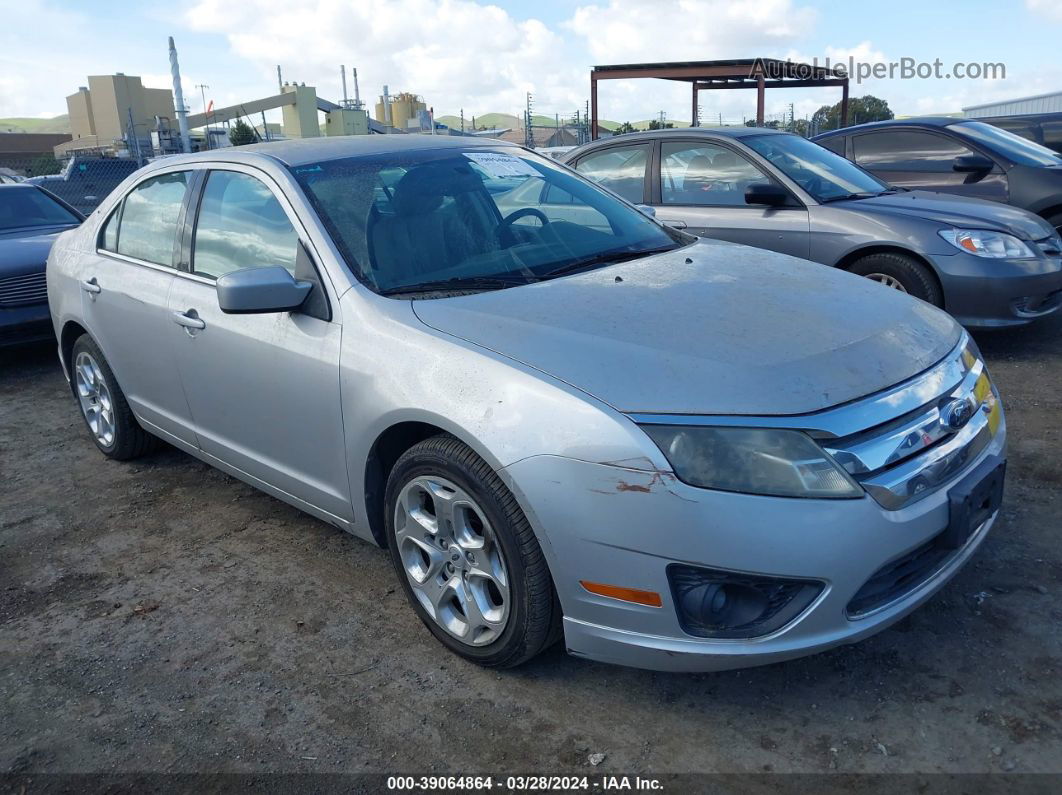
(161, 616)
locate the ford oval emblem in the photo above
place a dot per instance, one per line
(957, 413)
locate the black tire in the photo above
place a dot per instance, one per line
(534, 613)
(916, 278)
(129, 439)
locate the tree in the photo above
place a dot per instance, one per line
(860, 110)
(242, 133)
(626, 127)
(656, 124)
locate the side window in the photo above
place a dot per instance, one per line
(835, 144)
(907, 150)
(621, 169)
(149, 218)
(705, 174)
(241, 225)
(109, 236)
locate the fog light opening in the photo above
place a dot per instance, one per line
(720, 604)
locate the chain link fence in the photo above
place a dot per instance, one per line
(82, 180)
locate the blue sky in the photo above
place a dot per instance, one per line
(484, 57)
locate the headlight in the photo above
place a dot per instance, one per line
(769, 461)
(983, 243)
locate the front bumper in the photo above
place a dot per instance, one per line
(609, 524)
(22, 324)
(982, 292)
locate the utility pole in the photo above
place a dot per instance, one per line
(202, 90)
(462, 119)
(529, 137)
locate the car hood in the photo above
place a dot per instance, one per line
(25, 251)
(954, 211)
(708, 329)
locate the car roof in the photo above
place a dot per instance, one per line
(679, 132)
(914, 121)
(301, 151)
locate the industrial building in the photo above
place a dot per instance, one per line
(401, 111)
(1023, 106)
(116, 109)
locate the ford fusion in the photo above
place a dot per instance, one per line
(561, 418)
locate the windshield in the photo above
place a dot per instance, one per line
(819, 171)
(476, 219)
(1020, 150)
(27, 207)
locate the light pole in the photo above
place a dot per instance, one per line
(202, 89)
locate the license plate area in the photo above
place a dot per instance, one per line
(973, 500)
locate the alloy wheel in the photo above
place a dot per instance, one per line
(95, 398)
(452, 560)
(888, 281)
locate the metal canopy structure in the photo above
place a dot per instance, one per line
(757, 73)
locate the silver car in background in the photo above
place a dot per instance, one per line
(985, 263)
(561, 417)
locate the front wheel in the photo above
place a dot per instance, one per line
(466, 556)
(903, 273)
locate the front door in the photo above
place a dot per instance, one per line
(125, 287)
(702, 187)
(263, 389)
(920, 159)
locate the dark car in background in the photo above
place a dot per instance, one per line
(985, 263)
(86, 181)
(30, 221)
(1042, 128)
(961, 156)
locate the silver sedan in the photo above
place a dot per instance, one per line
(561, 417)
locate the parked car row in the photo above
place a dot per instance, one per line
(561, 416)
(986, 263)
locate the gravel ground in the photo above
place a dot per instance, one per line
(161, 616)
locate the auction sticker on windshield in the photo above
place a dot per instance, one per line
(498, 164)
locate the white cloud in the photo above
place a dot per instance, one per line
(455, 53)
(1048, 8)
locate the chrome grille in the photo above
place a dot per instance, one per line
(903, 460)
(21, 290)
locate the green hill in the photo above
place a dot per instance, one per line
(56, 124)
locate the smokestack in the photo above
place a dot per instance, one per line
(357, 94)
(280, 80)
(387, 107)
(178, 98)
(343, 74)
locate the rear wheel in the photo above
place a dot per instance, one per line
(110, 421)
(467, 557)
(903, 273)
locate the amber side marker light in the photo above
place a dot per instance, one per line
(639, 597)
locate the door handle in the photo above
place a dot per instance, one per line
(90, 286)
(673, 223)
(189, 319)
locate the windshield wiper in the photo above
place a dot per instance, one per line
(459, 283)
(603, 258)
(847, 196)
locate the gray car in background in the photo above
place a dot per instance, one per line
(986, 263)
(563, 419)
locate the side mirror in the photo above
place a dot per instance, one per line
(645, 209)
(260, 290)
(971, 164)
(766, 193)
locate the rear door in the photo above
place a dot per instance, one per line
(702, 184)
(622, 168)
(919, 158)
(125, 287)
(263, 389)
